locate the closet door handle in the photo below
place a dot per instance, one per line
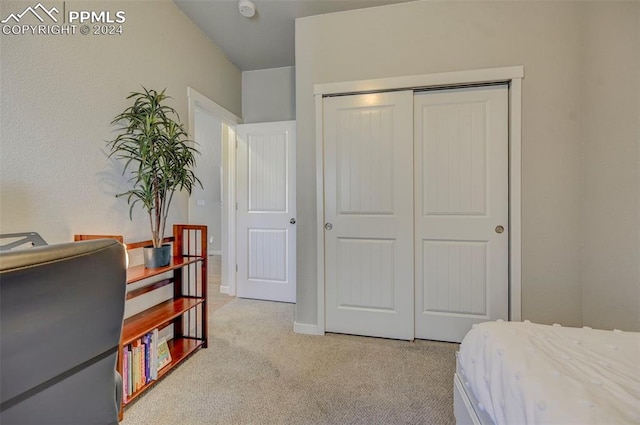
(499, 229)
(328, 226)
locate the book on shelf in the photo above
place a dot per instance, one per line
(125, 374)
(129, 364)
(146, 343)
(154, 354)
(164, 355)
(137, 373)
(141, 361)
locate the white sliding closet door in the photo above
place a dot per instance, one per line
(461, 210)
(266, 230)
(368, 181)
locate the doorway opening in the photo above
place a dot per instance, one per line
(213, 129)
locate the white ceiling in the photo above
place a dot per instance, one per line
(267, 39)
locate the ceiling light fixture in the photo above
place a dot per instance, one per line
(247, 8)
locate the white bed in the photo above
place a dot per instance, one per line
(512, 373)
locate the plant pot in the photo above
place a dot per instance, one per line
(157, 257)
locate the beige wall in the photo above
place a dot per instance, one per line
(430, 37)
(611, 158)
(59, 94)
(269, 95)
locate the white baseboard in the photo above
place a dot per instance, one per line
(215, 252)
(224, 289)
(305, 328)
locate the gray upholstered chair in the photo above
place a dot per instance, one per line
(61, 313)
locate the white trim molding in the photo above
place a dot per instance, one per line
(230, 120)
(515, 199)
(320, 210)
(305, 328)
(204, 102)
(413, 82)
(512, 75)
(228, 278)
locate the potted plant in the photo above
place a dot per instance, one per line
(160, 158)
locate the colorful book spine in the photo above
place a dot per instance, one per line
(129, 379)
(147, 358)
(141, 366)
(125, 375)
(136, 365)
(134, 369)
(164, 355)
(154, 354)
(141, 361)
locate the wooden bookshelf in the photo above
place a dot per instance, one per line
(156, 317)
(185, 310)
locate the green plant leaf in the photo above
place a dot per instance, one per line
(156, 151)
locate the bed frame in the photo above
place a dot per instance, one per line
(465, 405)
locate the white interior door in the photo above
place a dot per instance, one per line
(461, 210)
(266, 230)
(368, 183)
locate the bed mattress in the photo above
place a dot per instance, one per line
(525, 373)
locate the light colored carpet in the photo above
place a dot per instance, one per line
(258, 371)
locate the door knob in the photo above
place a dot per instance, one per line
(292, 221)
(328, 226)
(499, 229)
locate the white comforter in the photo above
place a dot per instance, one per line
(524, 373)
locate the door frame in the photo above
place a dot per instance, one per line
(513, 76)
(196, 99)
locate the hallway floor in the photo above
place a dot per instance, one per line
(215, 298)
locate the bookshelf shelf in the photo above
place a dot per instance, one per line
(156, 317)
(182, 318)
(138, 273)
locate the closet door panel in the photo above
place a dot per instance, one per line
(368, 181)
(461, 182)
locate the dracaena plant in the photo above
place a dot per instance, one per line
(155, 148)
